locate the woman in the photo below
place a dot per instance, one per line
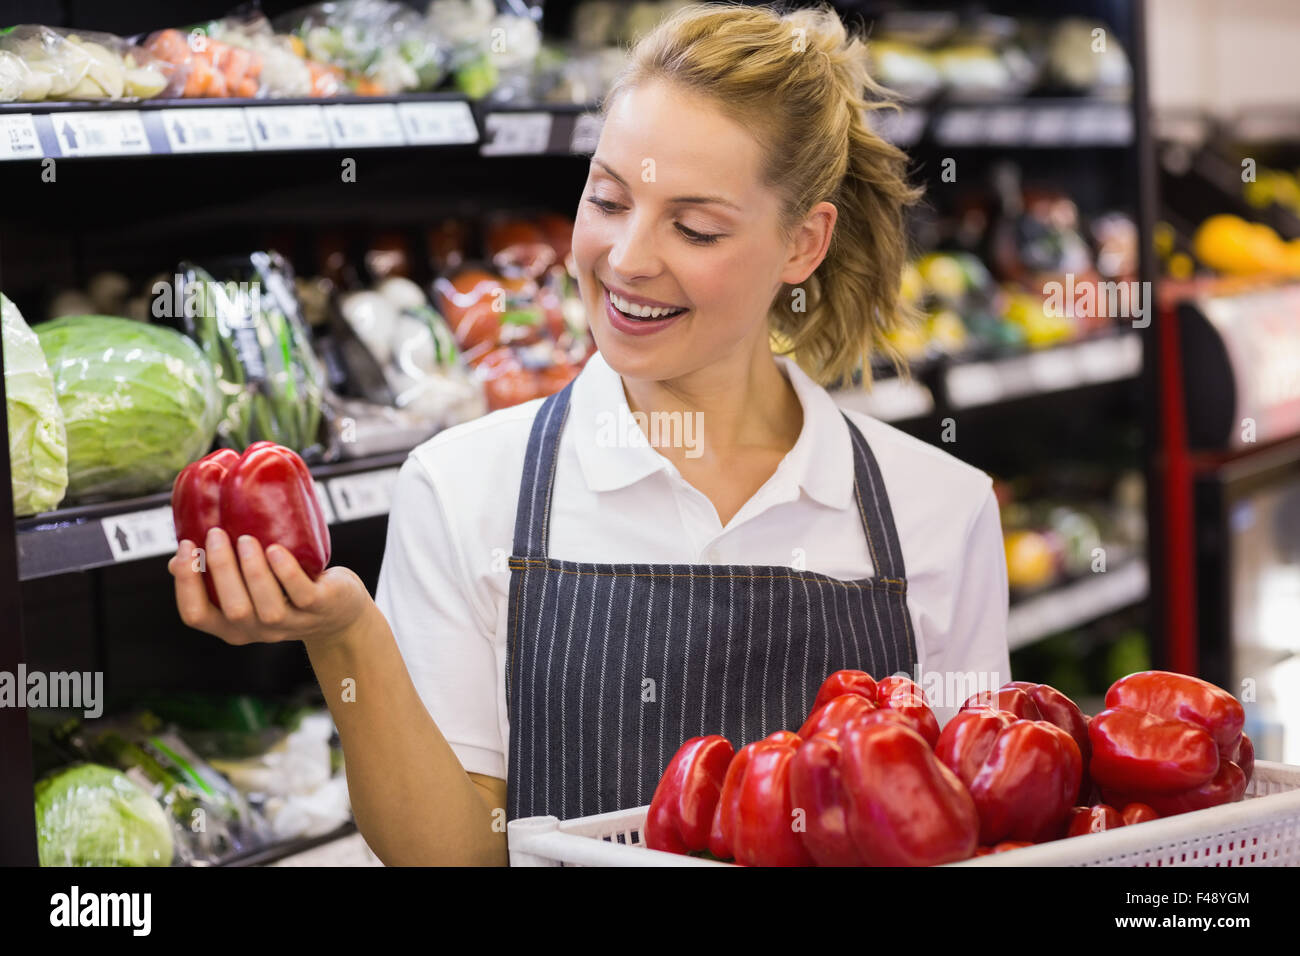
(561, 603)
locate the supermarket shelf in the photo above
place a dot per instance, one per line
(35, 131)
(965, 383)
(93, 536)
(1076, 603)
(346, 851)
(273, 855)
(1074, 365)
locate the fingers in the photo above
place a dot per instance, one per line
(263, 588)
(191, 596)
(224, 568)
(300, 588)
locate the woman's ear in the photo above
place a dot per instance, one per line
(810, 243)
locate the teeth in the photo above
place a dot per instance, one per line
(641, 311)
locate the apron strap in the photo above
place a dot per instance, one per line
(873, 507)
(532, 518)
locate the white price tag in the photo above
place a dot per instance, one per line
(140, 534)
(437, 123)
(517, 134)
(586, 133)
(893, 399)
(111, 133)
(1109, 360)
(206, 130)
(323, 496)
(287, 127)
(18, 138)
(1006, 125)
(364, 124)
(1054, 370)
(975, 383)
(364, 495)
(1049, 127)
(960, 126)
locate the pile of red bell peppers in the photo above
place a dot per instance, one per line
(871, 780)
(266, 492)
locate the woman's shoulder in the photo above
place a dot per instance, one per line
(921, 477)
(481, 443)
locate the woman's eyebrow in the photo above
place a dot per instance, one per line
(718, 200)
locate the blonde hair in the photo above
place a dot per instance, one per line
(798, 81)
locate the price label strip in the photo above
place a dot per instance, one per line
(364, 124)
(586, 133)
(323, 496)
(363, 496)
(18, 138)
(288, 127)
(517, 134)
(140, 534)
(215, 130)
(893, 399)
(437, 123)
(110, 133)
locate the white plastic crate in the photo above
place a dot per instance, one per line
(1261, 830)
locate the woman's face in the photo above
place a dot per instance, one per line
(673, 213)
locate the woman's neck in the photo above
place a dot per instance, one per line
(743, 401)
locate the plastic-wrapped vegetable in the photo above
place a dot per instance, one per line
(249, 325)
(384, 47)
(503, 70)
(138, 400)
(38, 441)
(90, 815)
(44, 63)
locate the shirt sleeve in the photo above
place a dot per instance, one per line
(977, 643)
(425, 592)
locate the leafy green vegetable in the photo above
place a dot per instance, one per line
(90, 815)
(38, 441)
(139, 402)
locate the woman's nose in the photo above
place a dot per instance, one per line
(634, 252)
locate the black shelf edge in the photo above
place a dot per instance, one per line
(280, 851)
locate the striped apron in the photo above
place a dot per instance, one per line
(610, 667)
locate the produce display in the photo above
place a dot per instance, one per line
(139, 402)
(44, 63)
(92, 815)
(869, 780)
(266, 492)
(185, 780)
(38, 441)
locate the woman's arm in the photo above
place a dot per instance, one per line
(413, 802)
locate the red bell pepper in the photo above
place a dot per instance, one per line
(845, 682)
(1013, 700)
(1137, 751)
(835, 713)
(727, 814)
(905, 696)
(196, 502)
(1094, 819)
(1065, 713)
(1245, 757)
(1138, 813)
(269, 494)
(905, 808)
(817, 788)
(681, 810)
(1022, 774)
(1181, 697)
(767, 831)
(1227, 786)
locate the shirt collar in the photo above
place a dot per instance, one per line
(613, 453)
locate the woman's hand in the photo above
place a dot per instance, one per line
(265, 594)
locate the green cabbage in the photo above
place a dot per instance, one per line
(139, 401)
(90, 815)
(38, 444)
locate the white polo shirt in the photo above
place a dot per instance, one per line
(444, 583)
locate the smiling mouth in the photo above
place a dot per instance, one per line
(632, 317)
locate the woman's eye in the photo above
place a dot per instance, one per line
(703, 239)
(700, 238)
